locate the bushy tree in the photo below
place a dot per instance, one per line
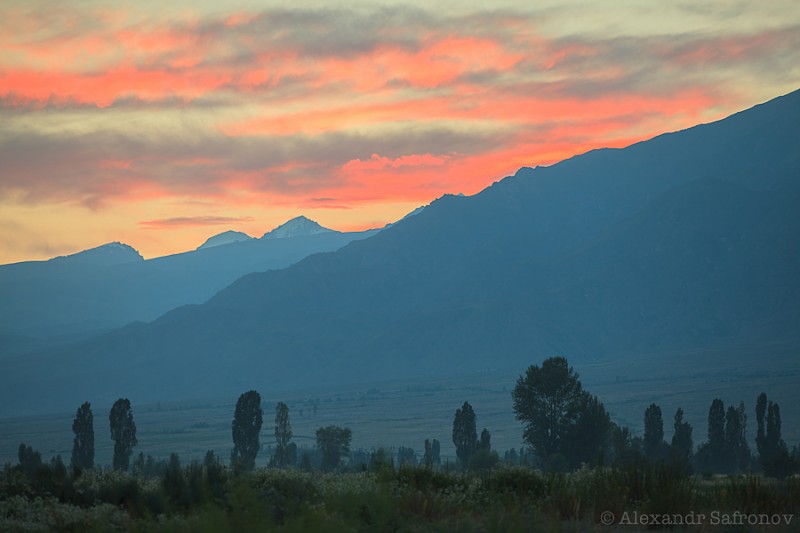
(283, 436)
(123, 433)
(247, 420)
(29, 460)
(334, 443)
(465, 434)
(406, 455)
(83, 442)
(563, 423)
(625, 448)
(587, 437)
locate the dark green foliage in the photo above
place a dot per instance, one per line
(737, 449)
(587, 437)
(147, 466)
(408, 499)
(713, 455)
(334, 443)
(483, 460)
(83, 443)
(216, 474)
(773, 454)
(653, 433)
(381, 461)
(563, 423)
(546, 400)
(29, 460)
(173, 482)
(465, 434)
(511, 457)
(625, 449)
(123, 433)
(716, 428)
(283, 436)
(486, 441)
(436, 451)
(406, 456)
(291, 454)
(681, 447)
(427, 458)
(247, 420)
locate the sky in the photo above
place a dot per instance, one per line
(159, 124)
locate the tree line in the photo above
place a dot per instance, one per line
(565, 427)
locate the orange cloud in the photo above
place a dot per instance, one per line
(339, 109)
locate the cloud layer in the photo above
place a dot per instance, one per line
(339, 110)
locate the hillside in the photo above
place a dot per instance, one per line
(686, 240)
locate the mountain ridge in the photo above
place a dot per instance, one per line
(683, 240)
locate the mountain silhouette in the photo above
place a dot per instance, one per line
(688, 240)
(112, 285)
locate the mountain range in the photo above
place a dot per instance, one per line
(686, 241)
(112, 285)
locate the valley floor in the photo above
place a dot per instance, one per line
(405, 413)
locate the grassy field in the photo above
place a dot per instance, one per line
(404, 413)
(210, 497)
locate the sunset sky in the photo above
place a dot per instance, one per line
(160, 123)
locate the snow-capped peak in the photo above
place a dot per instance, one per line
(112, 253)
(296, 227)
(226, 237)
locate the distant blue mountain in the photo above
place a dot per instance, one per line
(686, 241)
(113, 253)
(112, 285)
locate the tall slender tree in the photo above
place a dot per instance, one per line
(123, 433)
(716, 429)
(681, 439)
(486, 441)
(761, 433)
(773, 454)
(83, 442)
(738, 451)
(436, 451)
(428, 456)
(465, 434)
(247, 420)
(653, 432)
(283, 435)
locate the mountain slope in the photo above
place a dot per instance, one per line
(686, 240)
(112, 285)
(226, 237)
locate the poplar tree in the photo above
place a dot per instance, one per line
(653, 432)
(465, 434)
(83, 442)
(283, 435)
(123, 433)
(247, 420)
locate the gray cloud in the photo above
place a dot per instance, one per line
(98, 166)
(193, 221)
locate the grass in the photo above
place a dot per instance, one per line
(404, 499)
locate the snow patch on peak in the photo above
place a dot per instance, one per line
(296, 227)
(226, 237)
(112, 253)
